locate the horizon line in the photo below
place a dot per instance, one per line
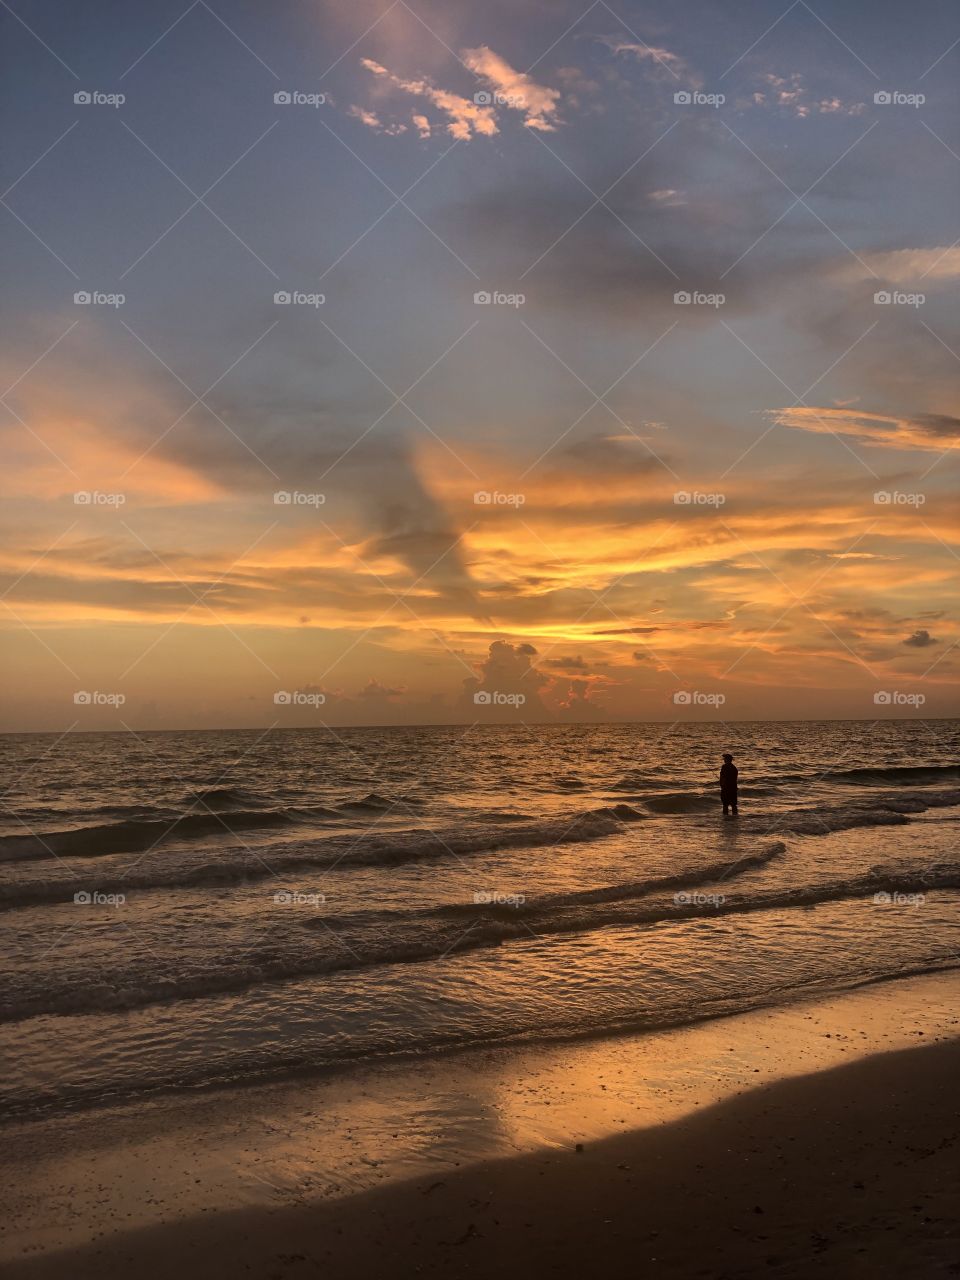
(477, 724)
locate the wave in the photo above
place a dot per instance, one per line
(320, 944)
(762, 783)
(53, 880)
(691, 877)
(623, 812)
(135, 835)
(375, 803)
(273, 1061)
(618, 904)
(223, 797)
(211, 812)
(637, 779)
(898, 775)
(886, 811)
(680, 802)
(326, 946)
(498, 815)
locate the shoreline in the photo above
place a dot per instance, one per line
(162, 1171)
(341, 1069)
(848, 1172)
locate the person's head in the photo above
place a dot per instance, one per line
(728, 759)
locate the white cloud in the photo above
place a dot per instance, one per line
(787, 91)
(369, 118)
(660, 58)
(836, 106)
(667, 197)
(790, 93)
(465, 119)
(514, 89)
(373, 121)
(509, 89)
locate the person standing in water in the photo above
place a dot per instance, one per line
(728, 785)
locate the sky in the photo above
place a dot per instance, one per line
(445, 362)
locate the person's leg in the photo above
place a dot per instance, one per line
(725, 810)
(734, 808)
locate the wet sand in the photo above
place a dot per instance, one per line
(851, 1170)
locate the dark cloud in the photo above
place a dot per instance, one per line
(508, 685)
(692, 625)
(940, 425)
(630, 631)
(581, 699)
(374, 691)
(920, 639)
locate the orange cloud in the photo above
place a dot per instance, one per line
(933, 431)
(60, 455)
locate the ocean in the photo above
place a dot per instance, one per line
(190, 909)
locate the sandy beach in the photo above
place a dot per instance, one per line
(853, 1172)
(843, 1170)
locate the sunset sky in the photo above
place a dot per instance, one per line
(748, 499)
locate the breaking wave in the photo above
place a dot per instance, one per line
(54, 880)
(320, 947)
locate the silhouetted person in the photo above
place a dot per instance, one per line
(728, 785)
